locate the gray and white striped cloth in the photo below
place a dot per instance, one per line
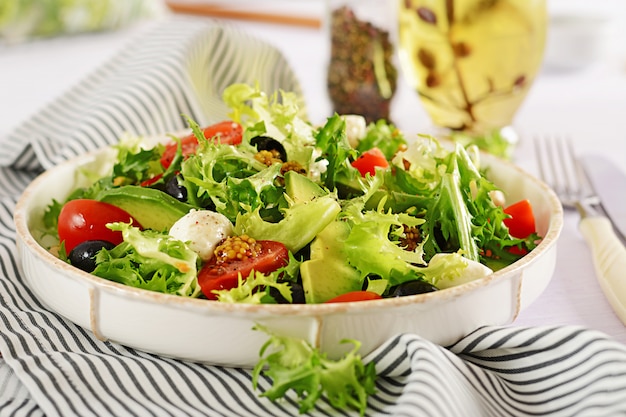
(51, 367)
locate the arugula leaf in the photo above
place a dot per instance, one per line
(336, 149)
(449, 220)
(295, 365)
(135, 164)
(455, 199)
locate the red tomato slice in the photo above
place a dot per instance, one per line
(82, 220)
(521, 224)
(355, 296)
(226, 132)
(224, 276)
(369, 160)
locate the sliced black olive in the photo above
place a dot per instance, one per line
(265, 143)
(297, 294)
(173, 188)
(83, 256)
(412, 288)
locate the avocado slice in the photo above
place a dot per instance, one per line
(152, 208)
(327, 274)
(300, 188)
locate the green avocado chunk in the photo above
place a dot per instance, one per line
(152, 208)
(327, 274)
(300, 188)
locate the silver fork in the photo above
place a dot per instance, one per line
(559, 168)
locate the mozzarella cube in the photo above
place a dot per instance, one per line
(202, 231)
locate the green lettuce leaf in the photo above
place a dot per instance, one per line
(301, 223)
(278, 116)
(336, 150)
(255, 289)
(135, 163)
(295, 365)
(150, 260)
(229, 179)
(384, 136)
(373, 245)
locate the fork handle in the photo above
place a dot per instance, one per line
(609, 259)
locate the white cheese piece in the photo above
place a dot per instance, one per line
(356, 128)
(498, 198)
(202, 230)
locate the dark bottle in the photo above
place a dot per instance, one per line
(362, 76)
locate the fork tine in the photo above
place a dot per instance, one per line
(554, 164)
(558, 167)
(584, 190)
(565, 155)
(547, 162)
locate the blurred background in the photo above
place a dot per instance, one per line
(38, 36)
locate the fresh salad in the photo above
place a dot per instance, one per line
(267, 208)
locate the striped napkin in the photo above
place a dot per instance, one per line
(51, 367)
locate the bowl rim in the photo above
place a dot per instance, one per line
(24, 235)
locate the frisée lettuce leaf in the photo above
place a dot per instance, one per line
(150, 260)
(301, 223)
(255, 289)
(382, 255)
(293, 364)
(278, 116)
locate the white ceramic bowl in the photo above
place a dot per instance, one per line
(218, 333)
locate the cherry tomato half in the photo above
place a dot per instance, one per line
(225, 276)
(355, 296)
(82, 220)
(521, 224)
(369, 160)
(226, 132)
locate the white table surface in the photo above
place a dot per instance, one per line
(588, 105)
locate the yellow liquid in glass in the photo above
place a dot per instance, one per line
(471, 61)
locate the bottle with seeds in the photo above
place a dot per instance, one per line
(362, 76)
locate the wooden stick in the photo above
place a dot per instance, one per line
(205, 9)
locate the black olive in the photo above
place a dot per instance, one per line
(83, 256)
(265, 143)
(297, 294)
(412, 288)
(173, 188)
(304, 253)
